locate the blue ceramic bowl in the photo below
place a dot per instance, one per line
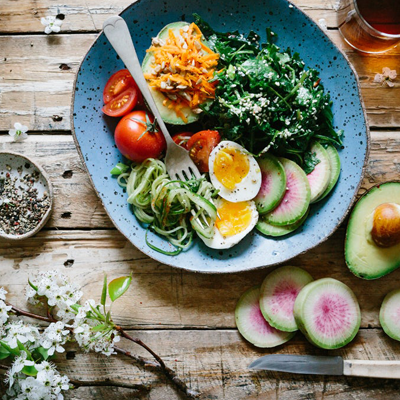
(94, 132)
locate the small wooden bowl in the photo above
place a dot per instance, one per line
(10, 162)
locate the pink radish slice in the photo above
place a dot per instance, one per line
(320, 177)
(278, 294)
(389, 315)
(252, 325)
(273, 184)
(296, 200)
(327, 312)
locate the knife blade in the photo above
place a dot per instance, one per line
(321, 365)
(327, 365)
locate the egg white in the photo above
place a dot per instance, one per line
(245, 190)
(225, 242)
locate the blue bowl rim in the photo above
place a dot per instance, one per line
(251, 268)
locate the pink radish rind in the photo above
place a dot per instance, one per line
(296, 200)
(278, 294)
(252, 325)
(273, 184)
(320, 177)
(327, 313)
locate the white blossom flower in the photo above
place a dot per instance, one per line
(4, 308)
(100, 342)
(47, 385)
(389, 73)
(3, 293)
(19, 132)
(322, 24)
(51, 23)
(19, 331)
(57, 291)
(386, 77)
(53, 337)
(17, 366)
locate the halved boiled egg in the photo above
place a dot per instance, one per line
(234, 221)
(234, 172)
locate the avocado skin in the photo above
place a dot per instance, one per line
(382, 193)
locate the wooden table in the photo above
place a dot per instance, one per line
(186, 317)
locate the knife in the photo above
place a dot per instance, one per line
(327, 365)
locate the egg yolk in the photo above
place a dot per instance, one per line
(231, 166)
(233, 218)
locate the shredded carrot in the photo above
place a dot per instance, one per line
(182, 69)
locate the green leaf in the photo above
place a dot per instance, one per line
(108, 317)
(75, 307)
(118, 286)
(29, 370)
(99, 327)
(14, 352)
(4, 353)
(310, 161)
(119, 169)
(32, 285)
(104, 292)
(41, 353)
(22, 347)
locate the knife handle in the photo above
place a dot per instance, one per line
(372, 369)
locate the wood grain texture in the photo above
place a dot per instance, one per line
(164, 297)
(37, 74)
(77, 206)
(215, 363)
(89, 15)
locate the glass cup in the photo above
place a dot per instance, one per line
(370, 26)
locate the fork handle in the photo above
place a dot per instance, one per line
(117, 32)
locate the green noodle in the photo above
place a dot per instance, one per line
(171, 208)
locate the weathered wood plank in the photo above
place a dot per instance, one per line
(75, 202)
(90, 15)
(36, 86)
(215, 363)
(161, 296)
(77, 206)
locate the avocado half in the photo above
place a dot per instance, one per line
(363, 257)
(168, 115)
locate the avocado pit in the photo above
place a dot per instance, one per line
(385, 230)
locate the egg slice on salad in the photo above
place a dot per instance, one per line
(234, 172)
(234, 221)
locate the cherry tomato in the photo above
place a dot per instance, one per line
(117, 83)
(200, 145)
(120, 94)
(182, 138)
(137, 137)
(122, 104)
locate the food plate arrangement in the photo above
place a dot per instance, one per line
(94, 133)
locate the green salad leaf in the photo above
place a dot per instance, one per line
(266, 99)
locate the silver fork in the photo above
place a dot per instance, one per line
(177, 160)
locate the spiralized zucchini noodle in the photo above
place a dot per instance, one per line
(171, 208)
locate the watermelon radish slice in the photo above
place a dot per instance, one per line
(252, 325)
(296, 200)
(389, 315)
(273, 184)
(320, 177)
(278, 293)
(276, 231)
(328, 314)
(334, 160)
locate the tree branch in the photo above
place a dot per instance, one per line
(169, 373)
(107, 382)
(159, 364)
(18, 312)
